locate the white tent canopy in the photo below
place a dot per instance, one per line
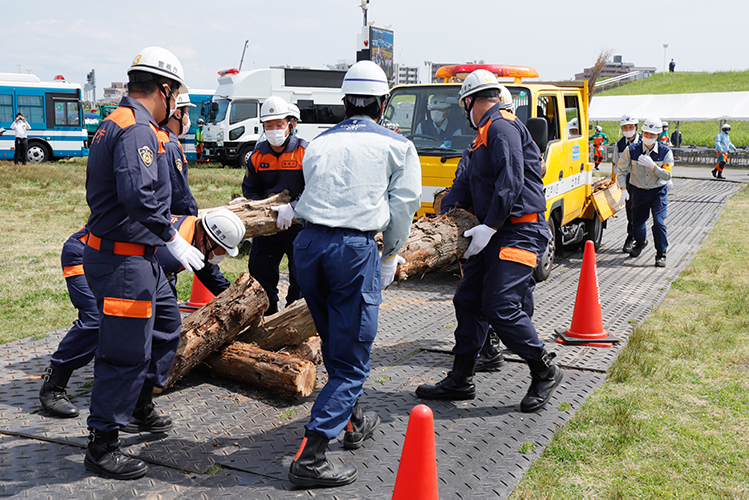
(711, 106)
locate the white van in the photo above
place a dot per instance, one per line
(233, 116)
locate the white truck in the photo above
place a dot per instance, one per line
(233, 117)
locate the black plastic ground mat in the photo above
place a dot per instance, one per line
(231, 440)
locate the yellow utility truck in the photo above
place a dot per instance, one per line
(556, 114)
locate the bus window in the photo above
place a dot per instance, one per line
(73, 114)
(6, 108)
(32, 107)
(60, 118)
(66, 114)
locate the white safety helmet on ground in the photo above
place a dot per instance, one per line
(294, 111)
(505, 98)
(184, 100)
(274, 108)
(725, 127)
(477, 81)
(225, 228)
(652, 125)
(365, 78)
(159, 61)
(599, 128)
(628, 120)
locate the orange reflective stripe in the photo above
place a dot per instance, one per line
(301, 449)
(481, 139)
(518, 255)
(525, 218)
(507, 115)
(126, 308)
(122, 116)
(157, 131)
(69, 271)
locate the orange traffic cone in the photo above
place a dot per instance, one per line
(417, 472)
(199, 296)
(587, 323)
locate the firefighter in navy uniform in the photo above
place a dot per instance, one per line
(629, 137)
(183, 202)
(128, 192)
(276, 165)
(504, 186)
(216, 234)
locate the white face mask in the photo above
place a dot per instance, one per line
(216, 259)
(438, 116)
(648, 142)
(629, 134)
(276, 137)
(185, 127)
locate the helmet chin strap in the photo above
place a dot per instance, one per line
(168, 104)
(469, 109)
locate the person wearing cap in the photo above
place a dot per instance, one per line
(648, 165)
(21, 127)
(663, 136)
(599, 140)
(199, 140)
(360, 178)
(723, 146)
(276, 165)
(630, 136)
(216, 234)
(128, 191)
(438, 123)
(502, 183)
(183, 202)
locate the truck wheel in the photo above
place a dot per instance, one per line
(543, 267)
(244, 155)
(38, 153)
(593, 231)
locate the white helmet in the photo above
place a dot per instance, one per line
(477, 81)
(628, 120)
(160, 61)
(573, 124)
(440, 101)
(294, 111)
(225, 228)
(184, 100)
(505, 98)
(599, 128)
(201, 121)
(725, 126)
(665, 125)
(652, 125)
(365, 78)
(274, 108)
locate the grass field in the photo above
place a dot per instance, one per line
(694, 133)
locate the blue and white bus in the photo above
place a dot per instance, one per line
(200, 98)
(52, 109)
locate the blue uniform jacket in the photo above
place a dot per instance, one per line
(127, 179)
(269, 173)
(504, 170)
(459, 195)
(183, 202)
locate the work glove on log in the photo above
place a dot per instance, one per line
(480, 236)
(285, 216)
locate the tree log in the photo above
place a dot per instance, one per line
(288, 327)
(274, 371)
(310, 349)
(257, 216)
(435, 243)
(217, 323)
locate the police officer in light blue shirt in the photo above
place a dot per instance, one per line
(360, 178)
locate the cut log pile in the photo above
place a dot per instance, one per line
(257, 216)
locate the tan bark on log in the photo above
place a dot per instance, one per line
(435, 243)
(269, 370)
(256, 215)
(217, 323)
(310, 349)
(288, 327)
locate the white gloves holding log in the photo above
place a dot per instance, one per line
(480, 236)
(285, 216)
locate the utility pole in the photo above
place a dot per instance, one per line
(243, 50)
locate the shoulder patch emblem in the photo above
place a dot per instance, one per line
(178, 164)
(146, 155)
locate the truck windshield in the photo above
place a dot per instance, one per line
(223, 105)
(430, 116)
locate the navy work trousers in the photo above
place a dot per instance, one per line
(339, 276)
(628, 210)
(139, 328)
(497, 290)
(645, 201)
(265, 257)
(78, 347)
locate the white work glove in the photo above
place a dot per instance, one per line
(388, 267)
(646, 161)
(187, 255)
(480, 236)
(285, 216)
(625, 195)
(669, 185)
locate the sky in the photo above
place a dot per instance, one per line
(50, 37)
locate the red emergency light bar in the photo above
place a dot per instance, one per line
(461, 71)
(59, 78)
(232, 71)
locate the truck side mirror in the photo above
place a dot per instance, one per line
(214, 106)
(539, 132)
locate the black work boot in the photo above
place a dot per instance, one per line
(272, 308)
(52, 395)
(491, 358)
(145, 417)
(310, 468)
(104, 457)
(638, 248)
(359, 427)
(715, 173)
(660, 259)
(720, 174)
(545, 377)
(458, 385)
(628, 244)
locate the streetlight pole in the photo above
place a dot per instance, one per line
(665, 46)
